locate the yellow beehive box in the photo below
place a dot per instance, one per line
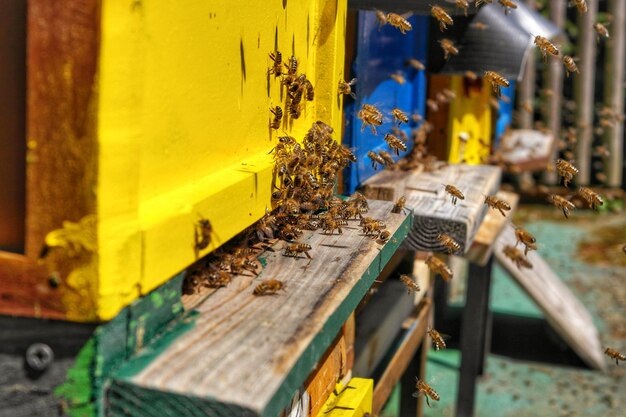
(146, 116)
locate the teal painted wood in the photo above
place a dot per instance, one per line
(173, 373)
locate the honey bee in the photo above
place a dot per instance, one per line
(400, 116)
(371, 116)
(360, 201)
(438, 266)
(394, 143)
(432, 105)
(330, 225)
(269, 287)
(546, 47)
(308, 88)
(399, 78)
(438, 341)
(442, 17)
(454, 192)
(424, 389)
(202, 235)
(527, 239)
(399, 205)
(218, 279)
(479, 25)
(612, 353)
(239, 264)
(566, 170)
(387, 158)
(372, 226)
(570, 65)
(191, 283)
(601, 30)
(346, 87)
(448, 48)
(384, 236)
(581, 5)
(592, 198)
(416, 64)
(450, 95)
(399, 22)
(517, 257)
(508, 5)
(462, 4)
(278, 116)
(292, 67)
(496, 80)
(411, 286)
(562, 203)
(277, 65)
(528, 107)
(496, 203)
(382, 19)
(294, 250)
(470, 75)
(450, 244)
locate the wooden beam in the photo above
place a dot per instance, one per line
(241, 353)
(614, 92)
(527, 85)
(584, 90)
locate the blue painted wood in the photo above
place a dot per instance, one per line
(380, 53)
(505, 114)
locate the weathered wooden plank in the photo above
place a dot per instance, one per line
(482, 246)
(387, 185)
(250, 354)
(415, 335)
(565, 313)
(526, 150)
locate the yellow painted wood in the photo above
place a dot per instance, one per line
(354, 399)
(470, 116)
(183, 112)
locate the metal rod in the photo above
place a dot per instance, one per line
(584, 90)
(614, 92)
(554, 80)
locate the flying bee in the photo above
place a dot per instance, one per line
(371, 116)
(496, 80)
(508, 5)
(437, 339)
(601, 30)
(462, 4)
(454, 192)
(517, 257)
(432, 105)
(448, 48)
(384, 236)
(399, 22)
(411, 286)
(437, 266)
(424, 389)
(526, 238)
(570, 65)
(346, 87)
(399, 205)
(581, 5)
(382, 19)
(450, 95)
(277, 65)
(416, 64)
(400, 116)
(442, 17)
(269, 287)
(399, 78)
(470, 75)
(614, 354)
(394, 143)
(479, 25)
(528, 107)
(496, 203)
(566, 170)
(562, 203)
(376, 159)
(278, 116)
(450, 244)
(546, 47)
(294, 250)
(387, 158)
(592, 198)
(202, 235)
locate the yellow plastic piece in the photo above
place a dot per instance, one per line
(469, 123)
(183, 125)
(354, 399)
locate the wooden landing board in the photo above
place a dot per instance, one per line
(250, 354)
(526, 149)
(432, 208)
(565, 313)
(489, 230)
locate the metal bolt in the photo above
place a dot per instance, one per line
(39, 356)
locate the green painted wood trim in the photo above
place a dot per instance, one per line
(76, 393)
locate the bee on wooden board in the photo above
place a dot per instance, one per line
(411, 286)
(562, 203)
(399, 116)
(450, 244)
(360, 201)
(399, 22)
(394, 143)
(592, 198)
(437, 266)
(382, 19)
(346, 88)
(508, 5)
(218, 279)
(399, 78)
(278, 116)
(437, 339)
(448, 48)
(277, 63)
(292, 66)
(581, 5)
(424, 389)
(294, 250)
(495, 203)
(202, 235)
(517, 257)
(416, 64)
(372, 226)
(454, 192)
(614, 354)
(384, 236)
(570, 65)
(442, 17)
(546, 47)
(526, 238)
(601, 30)
(268, 287)
(497, 81)
(566, 170)
(331, 225)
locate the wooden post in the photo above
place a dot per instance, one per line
(558, 9)
(584, 89)
(614, 91)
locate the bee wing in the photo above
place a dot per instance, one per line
(409, 14)
(417, 394)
